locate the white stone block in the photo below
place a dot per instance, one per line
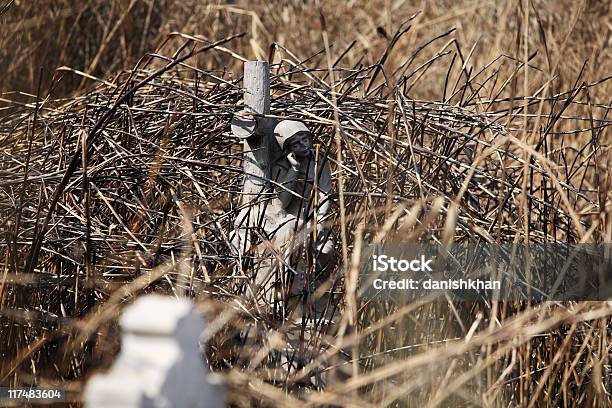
(159, 365)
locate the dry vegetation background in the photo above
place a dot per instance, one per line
(104, 37)
(76, 55)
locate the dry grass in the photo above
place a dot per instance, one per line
(444, 135)
(101, 37)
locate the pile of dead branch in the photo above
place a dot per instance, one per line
(95, 190)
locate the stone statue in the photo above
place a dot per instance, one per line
(292, 213)
(303, 184)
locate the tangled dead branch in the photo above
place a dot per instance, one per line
(94, 189)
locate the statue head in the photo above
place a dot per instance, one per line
(293, 137)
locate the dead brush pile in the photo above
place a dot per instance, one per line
(134, 186)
